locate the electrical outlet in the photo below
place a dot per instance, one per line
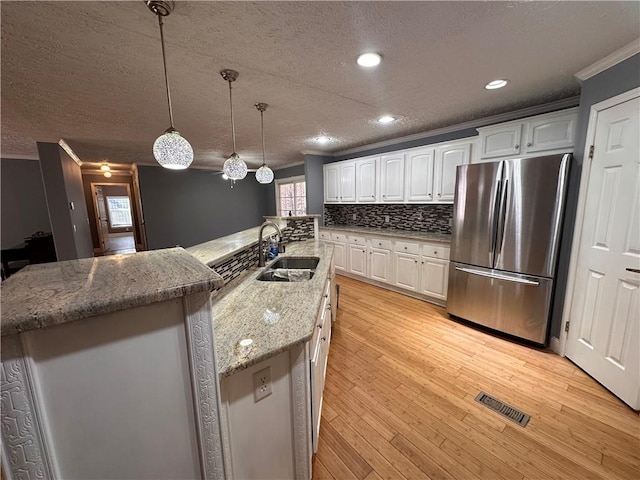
(451, 222)
(420, 217)
(262, 384)
(386, 219)
(355, 216)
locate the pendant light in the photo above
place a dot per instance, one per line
(170, 149)
(234, 167)
(264, 174)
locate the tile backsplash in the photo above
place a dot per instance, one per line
(417, 218)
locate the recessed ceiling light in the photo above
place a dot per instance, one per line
(386, 119)
(323, 139)
(104, 167)
(369, 59)
(496, 84)
(107, 174)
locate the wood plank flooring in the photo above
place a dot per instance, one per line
(399, 402)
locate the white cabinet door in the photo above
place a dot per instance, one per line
(448, 157)
(419, 176)
(500, 141)
(331, 183)
(435, 276)
(347, 181)
(554, 133)
(366, 176)
(340, 256)
(392, 177)
(406, 271)
(380, 267)
(358, 260)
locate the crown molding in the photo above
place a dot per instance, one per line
(481, 122)
(12, 156)
(609, 61)
(317, 152)
(65, 146)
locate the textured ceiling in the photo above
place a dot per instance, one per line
(91, 72)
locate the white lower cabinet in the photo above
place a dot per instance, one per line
(406, 271)
(340, 252)
(380, 267)
(319, 352)
(434, 277)
(358, 260)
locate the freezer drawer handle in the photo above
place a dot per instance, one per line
(634, 270)
(497, 276)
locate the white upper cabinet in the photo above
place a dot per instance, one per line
(366, 179)
(419, 175)
(530, 137)
(347, 181)
(392, 177)
(332, 183)
(448, 157)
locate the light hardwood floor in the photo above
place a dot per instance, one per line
(399, 402)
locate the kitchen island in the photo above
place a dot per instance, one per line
(132, 366)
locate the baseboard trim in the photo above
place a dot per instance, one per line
(555, 346)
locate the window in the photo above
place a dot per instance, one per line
(291, 196)
(119, 212)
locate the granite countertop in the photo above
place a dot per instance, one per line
(220, 249)
(393, 232)
(49, 294)
(275, 315)
(286, 217)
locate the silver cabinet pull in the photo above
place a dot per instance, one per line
(633, 270)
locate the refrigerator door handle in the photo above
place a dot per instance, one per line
(502, 220)
(498, 276)
(494, 227)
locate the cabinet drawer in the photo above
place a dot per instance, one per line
(338, 237)
(381, 243)
(407, 247)
(355, 240)
(324, 235)
(435, 251)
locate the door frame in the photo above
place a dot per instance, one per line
(96, 212)
(559, 346)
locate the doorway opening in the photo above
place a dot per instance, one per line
(113, 211)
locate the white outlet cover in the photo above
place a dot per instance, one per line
(262, 384)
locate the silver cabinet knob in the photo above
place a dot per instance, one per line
(439, 194)
(529, 144)
(405, 248)
(324, 339)
(435, 252)
(515, 147)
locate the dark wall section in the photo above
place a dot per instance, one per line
(194, 206)
(314, 176)
(63, 186)
(23, 203)
(614, 81)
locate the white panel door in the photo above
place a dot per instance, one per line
(340, 256)
(358, 260)
(392, 177)
(448, 158)
(419, 176)
(406, 271)
(331, 183)
(366, 180)
(380, 267)
(435, 276)
(500, 142)
(604, 329)
(553, 133)
(347, 181)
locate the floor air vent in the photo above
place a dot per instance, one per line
(503, 409)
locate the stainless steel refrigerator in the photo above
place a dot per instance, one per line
(506, 228)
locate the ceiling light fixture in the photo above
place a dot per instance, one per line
(170, 149)
(323, 139)
(107, 174)
(369, 59)
(224, 176)
(386, 119)
(264, 174)
(496, 84)
(234, 167)
(105, 167)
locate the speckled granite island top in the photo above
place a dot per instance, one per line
(218, 250)
(275, 315)
(49, 294)
(393, 232)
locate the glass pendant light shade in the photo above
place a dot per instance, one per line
(264, 174)
(171, 150)
(234, 167)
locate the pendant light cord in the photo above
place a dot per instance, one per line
(233, 127)
(166, 76)
(262, 128)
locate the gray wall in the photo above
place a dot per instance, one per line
(22, 202)
(63, 184)
(614, 81)
(294, 171)
(314, 177)
(193, 206)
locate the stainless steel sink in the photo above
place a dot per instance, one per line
(277, 272)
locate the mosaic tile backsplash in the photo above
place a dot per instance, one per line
(416, 218)
(298, 229)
